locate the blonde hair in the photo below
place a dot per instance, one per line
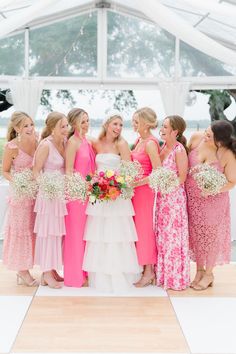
(74, 119)
(178, 123)
(17, 119)
(105, 124)
(51, 121)
(149, 116)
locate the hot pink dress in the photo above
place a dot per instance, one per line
(18, 246)
(75, 222)
(50, 218)
(143, 201)
(209, 222)
(171, 228)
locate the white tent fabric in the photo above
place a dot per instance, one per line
(26, 95)
(5, 3)
(20, 19)
(176, 25)
(213, 7)
(174, 96)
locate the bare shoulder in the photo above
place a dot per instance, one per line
(228, 157)
(73, 142)
(91, 140)
(195, 139)
(151, 145)
(122, 144)
(43, 146)
(96, 143)
(197, 136)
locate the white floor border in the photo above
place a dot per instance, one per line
(12, 312)
(208, 324)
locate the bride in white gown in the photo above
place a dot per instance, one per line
(110, 254)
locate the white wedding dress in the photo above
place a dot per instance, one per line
(110, 255)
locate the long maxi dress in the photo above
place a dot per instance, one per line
(50, 217)
(19, 238)
(209, 222)
(143, 202)
(75, 222)
(172, 236)
(110, 256)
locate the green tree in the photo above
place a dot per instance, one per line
(219, 101)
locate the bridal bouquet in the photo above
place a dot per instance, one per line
(208, 179)
(163, 180)
(106, 185)
(23, 185)
(51, 185)
(75, 187)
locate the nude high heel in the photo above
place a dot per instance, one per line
(203, 286)
(145, 281)
(53, 284)
(20, 280)
(201, 272)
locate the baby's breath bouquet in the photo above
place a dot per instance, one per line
(51, 185)
(75, 187)
(23, 185)
(131, 170)
(208, 179)
(163, 180)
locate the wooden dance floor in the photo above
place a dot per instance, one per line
(148, 320)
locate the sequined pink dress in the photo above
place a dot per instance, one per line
(18, 246)
(209, 222)
(143, 201)
(50, 218)
(75, 222)
(171, 228)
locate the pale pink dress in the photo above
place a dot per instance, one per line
(18, 246)
(171, 228)
(50, 218)
(143, 201)
(209, 222)
(75, 222)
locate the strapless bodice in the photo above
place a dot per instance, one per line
(107, 161)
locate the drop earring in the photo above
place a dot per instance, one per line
(18, 137)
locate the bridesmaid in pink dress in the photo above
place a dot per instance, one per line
(171, 219)
(80, 158)
(18, 246)
(209, 217)
(50, 213)
(146, 152)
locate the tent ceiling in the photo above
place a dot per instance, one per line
(204, 16)
(219, 27)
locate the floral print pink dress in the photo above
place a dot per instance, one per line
(209, 223)
(171, 229)
(19, 238)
